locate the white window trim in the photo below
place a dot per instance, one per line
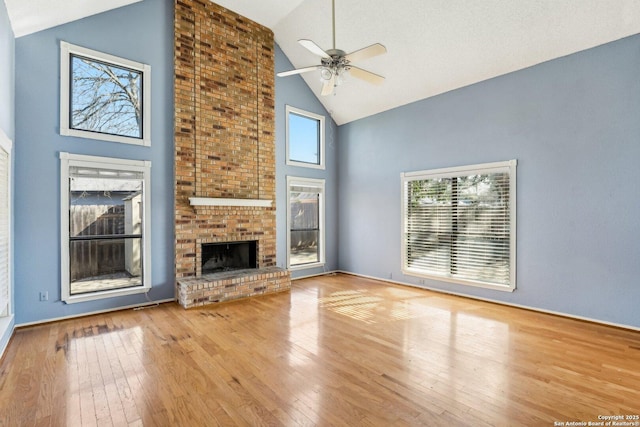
(320, 185)
(66, 49)
(289, 109)
(7, 145)
(67, 160)
(506, 166)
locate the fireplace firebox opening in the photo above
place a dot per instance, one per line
(227, 256)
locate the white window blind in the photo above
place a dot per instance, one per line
(5, 164)
(459, 224)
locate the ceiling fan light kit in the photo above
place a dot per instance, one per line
(335, 64)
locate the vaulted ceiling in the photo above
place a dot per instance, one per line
(433, 46)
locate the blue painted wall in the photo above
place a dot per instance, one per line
(7, 121)
(141, 32)
(295, 92)
(573, 124)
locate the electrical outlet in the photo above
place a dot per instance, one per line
(44, 296)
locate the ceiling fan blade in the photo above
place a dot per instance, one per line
(327, 86)
(366, 75)
(366, 52)
(314, 48)
(299, 71)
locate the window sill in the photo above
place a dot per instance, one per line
(306, 266)
(305, 165)
(478, 284)
(66, 131)
(72, 299)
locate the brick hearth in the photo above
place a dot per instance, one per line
(219, 287)
(224, 135)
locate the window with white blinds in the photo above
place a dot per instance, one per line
(5, 213)
(459, 224)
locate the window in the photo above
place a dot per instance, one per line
(305, 221)
(5, 227)
(459, 224)
(105, 227)
(103, 96)
(305, 138)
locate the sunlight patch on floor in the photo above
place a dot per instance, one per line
(365, 307)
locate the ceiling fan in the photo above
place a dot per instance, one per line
(335, 64)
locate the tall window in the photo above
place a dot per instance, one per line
(103, 96)
(305, 219)
(5, 226)
(459, 224)
(305, 138)
(105, 227)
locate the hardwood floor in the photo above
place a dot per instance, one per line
(337, 350)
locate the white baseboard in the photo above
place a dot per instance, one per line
(108, 310)
(324, 273)
(525, 307)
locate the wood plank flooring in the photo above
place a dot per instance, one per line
(337, 350)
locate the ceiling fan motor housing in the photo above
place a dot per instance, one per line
(335, 65)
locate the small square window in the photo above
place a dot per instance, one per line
(103, 96)
(305, 138)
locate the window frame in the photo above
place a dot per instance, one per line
(321, 137)
(318, 183)
(66, 51)
(7, 146)
(479, 169)
(68, 160)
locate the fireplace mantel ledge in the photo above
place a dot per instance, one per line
(217, 201)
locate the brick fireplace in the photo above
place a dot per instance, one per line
(224, 149)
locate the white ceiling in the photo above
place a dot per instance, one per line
(434, 46)
(30, 16)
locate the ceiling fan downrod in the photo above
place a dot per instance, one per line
(333, 20)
